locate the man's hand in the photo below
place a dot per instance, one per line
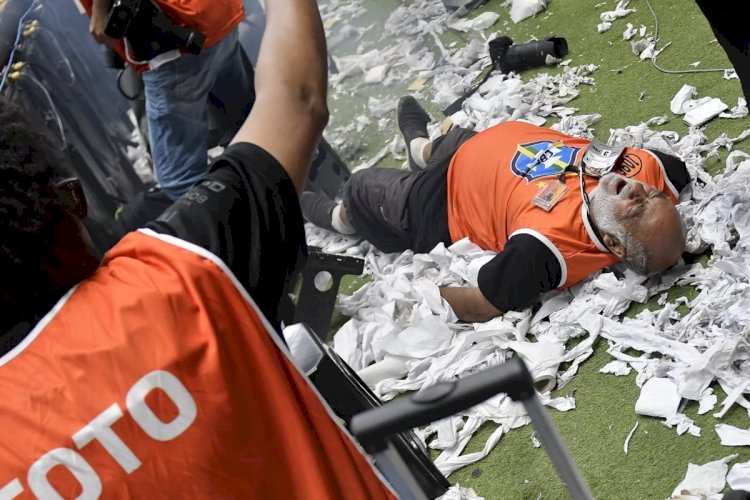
(469, 304)
(99, 13)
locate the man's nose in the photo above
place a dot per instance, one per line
(637, 191)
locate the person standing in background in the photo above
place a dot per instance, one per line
(179, 85)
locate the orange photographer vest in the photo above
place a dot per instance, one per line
(493, 179)
(213, 18)
(159, 378)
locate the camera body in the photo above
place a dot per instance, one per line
(121, 15)
(149, 30)
(507, 57)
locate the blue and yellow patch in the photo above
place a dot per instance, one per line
(538, 159)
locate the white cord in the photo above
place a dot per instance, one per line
(656, 52)
(51, 104)
(65, 59)
(127, 54)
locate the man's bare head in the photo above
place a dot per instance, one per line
(638, 222)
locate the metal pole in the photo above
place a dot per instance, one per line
(557, 450)
(392, 466)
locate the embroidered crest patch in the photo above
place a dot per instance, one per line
(538, 159)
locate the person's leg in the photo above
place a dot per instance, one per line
(412, 121)
(442, 149)
(375, 203)
(176, 101)
(233, 92)
(326, 213)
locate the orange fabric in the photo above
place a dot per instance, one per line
(489, 198)
(259, 430)
(213, 18)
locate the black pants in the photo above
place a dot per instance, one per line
(378, 201)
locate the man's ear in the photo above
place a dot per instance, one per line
(614, 245)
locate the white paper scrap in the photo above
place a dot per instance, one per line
(733, 436)
(603, 26)
(705, 112)
(659, 398)
(707, 402)
(630, 435)
(639, 46)
(479, 23)
(448, 462)
(388, 367)
(542, 360)
(458, 492)
(629, 32)
(738, 111)
(650, 51)
(535, 440)
(677, 104)
(616, 367)
(620, 11)
(683, 423)
(376, 74)
(523, 9)
(704, 480)
(730, 74)
(739, 476)
(732, 396)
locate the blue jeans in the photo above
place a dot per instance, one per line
(178, 95)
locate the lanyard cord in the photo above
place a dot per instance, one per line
(587, 204)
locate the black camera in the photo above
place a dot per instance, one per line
(508, 57)
(120, 16)
(149, 30)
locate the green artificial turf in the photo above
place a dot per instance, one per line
(596, 430)
(595, 433)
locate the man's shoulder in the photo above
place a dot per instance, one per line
(654, 166)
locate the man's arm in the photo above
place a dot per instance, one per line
(246, 210)
(514, 278)
(674, 168)
(469, 304)
(290, 112)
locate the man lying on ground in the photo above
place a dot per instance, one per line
(515, 189)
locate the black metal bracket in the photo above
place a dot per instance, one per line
(314, 306)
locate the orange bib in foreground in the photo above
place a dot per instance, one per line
(493, 178)
(159, 378)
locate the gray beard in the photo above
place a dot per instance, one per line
(602, 208)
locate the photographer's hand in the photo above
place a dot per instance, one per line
(99, 13)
